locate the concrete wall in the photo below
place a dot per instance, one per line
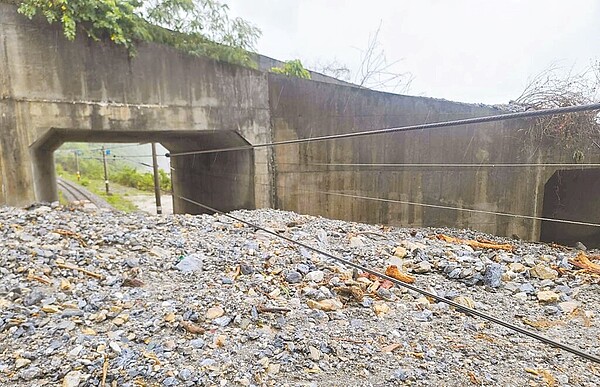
(301, 109)
(89, 90)
(265, 63)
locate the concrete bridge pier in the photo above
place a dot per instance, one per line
(225, 181)
(44, 174)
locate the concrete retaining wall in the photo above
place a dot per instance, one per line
(301, 109)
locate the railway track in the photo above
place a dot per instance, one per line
(75, 193)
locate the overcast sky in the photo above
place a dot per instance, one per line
(462, 50)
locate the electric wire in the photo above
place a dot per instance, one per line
(456, 165)
(434, 125)
(460, 307)
(407, 202)
(99, 149)
(461, 209)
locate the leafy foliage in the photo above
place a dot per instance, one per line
(113, 19)
(293, 68)
(119, 172)
(198, 27)
(130, 177)
(201, 27)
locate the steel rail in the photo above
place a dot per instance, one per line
(460, 307)
(70, 194)
(82, 193)
(433, 125)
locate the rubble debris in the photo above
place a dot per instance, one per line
(120, 312)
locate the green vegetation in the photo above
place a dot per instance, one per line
(117, 200)
(119, 171)
(124, 179)
(198, 27)
(292, 68)
(130, 177)
(61, 199)
(98, 18)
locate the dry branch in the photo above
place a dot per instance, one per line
(80, 269)
(476, 244)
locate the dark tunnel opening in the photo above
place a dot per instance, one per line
(572, 195)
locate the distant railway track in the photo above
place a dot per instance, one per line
(75, 193)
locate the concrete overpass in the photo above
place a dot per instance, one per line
(53, 91)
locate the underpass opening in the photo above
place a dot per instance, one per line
(572, 195)
(109, 175)
(219, 180)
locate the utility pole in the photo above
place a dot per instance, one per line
(105, 170)
(77, 165)
(156, 180)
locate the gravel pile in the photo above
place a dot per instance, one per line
(112, 299)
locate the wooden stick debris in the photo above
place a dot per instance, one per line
(272, 309)
(583, 262)
(71, 234)
(39, 279)
(80, 269)
(349, 340)
(104, 372)
(476, 244)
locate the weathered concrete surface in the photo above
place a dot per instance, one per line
(265, 63)
(301, 109)
(91, 91)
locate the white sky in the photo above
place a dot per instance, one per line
(462, 50)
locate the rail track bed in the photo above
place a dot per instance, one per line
(74, 193)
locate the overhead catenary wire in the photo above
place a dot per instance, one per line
(434, 125)
(99, 149)
(460, 307)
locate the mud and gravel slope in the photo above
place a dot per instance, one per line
(113, 299)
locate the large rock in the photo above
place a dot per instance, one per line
(493, 275)
(547, 296)
(568, 306)
(315, 276)
(329, 305)
(72, 379)
(422, 267)
(543, 272)
(190, 263)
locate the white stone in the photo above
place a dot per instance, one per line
(315, 276)
(115, 347)
(72, 379)
(314, 353)
(21, 362)
(356, 242)
(568, 306)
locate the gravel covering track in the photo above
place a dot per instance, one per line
(93, 297)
